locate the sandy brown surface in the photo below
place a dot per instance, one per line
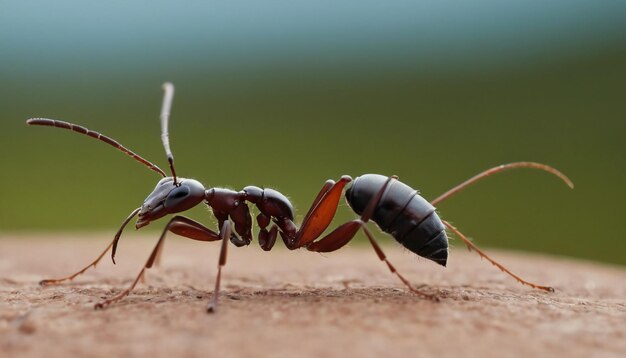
(301, 304)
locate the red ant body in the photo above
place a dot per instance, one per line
(394, 206)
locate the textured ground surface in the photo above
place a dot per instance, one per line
(287, 304)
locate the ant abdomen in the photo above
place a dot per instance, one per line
(404, 214)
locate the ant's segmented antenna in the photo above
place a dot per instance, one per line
(168, 96)
(93, 134)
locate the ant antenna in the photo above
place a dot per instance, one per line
(93, 134)
(168, 96)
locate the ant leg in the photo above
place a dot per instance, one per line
(325, 189)
(471, 246)
(159, 255)
(337, 239)
(190, 229)
(95, 262)
(225, 234)
(179, 225)
(501, 168)
(344, 233)
(222, 217)
(56, 281)
(320, 214)
(267, 239)
(383, 257)
(242, 224)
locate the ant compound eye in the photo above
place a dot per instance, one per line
(181, 193)
(176, 197)
(183, 197)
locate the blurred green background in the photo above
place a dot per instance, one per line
(286, 94)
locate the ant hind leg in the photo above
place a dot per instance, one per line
(473, 247)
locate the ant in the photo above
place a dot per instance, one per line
(395, 207)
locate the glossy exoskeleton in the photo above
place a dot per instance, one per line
(395, 207)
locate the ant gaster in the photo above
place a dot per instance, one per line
(394, 206)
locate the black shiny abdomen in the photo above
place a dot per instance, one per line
(403, 214)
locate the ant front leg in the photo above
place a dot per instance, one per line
(224, 234)
(179, 225)
(95, 262)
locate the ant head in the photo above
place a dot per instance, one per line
(172, 194)
(170, 197)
